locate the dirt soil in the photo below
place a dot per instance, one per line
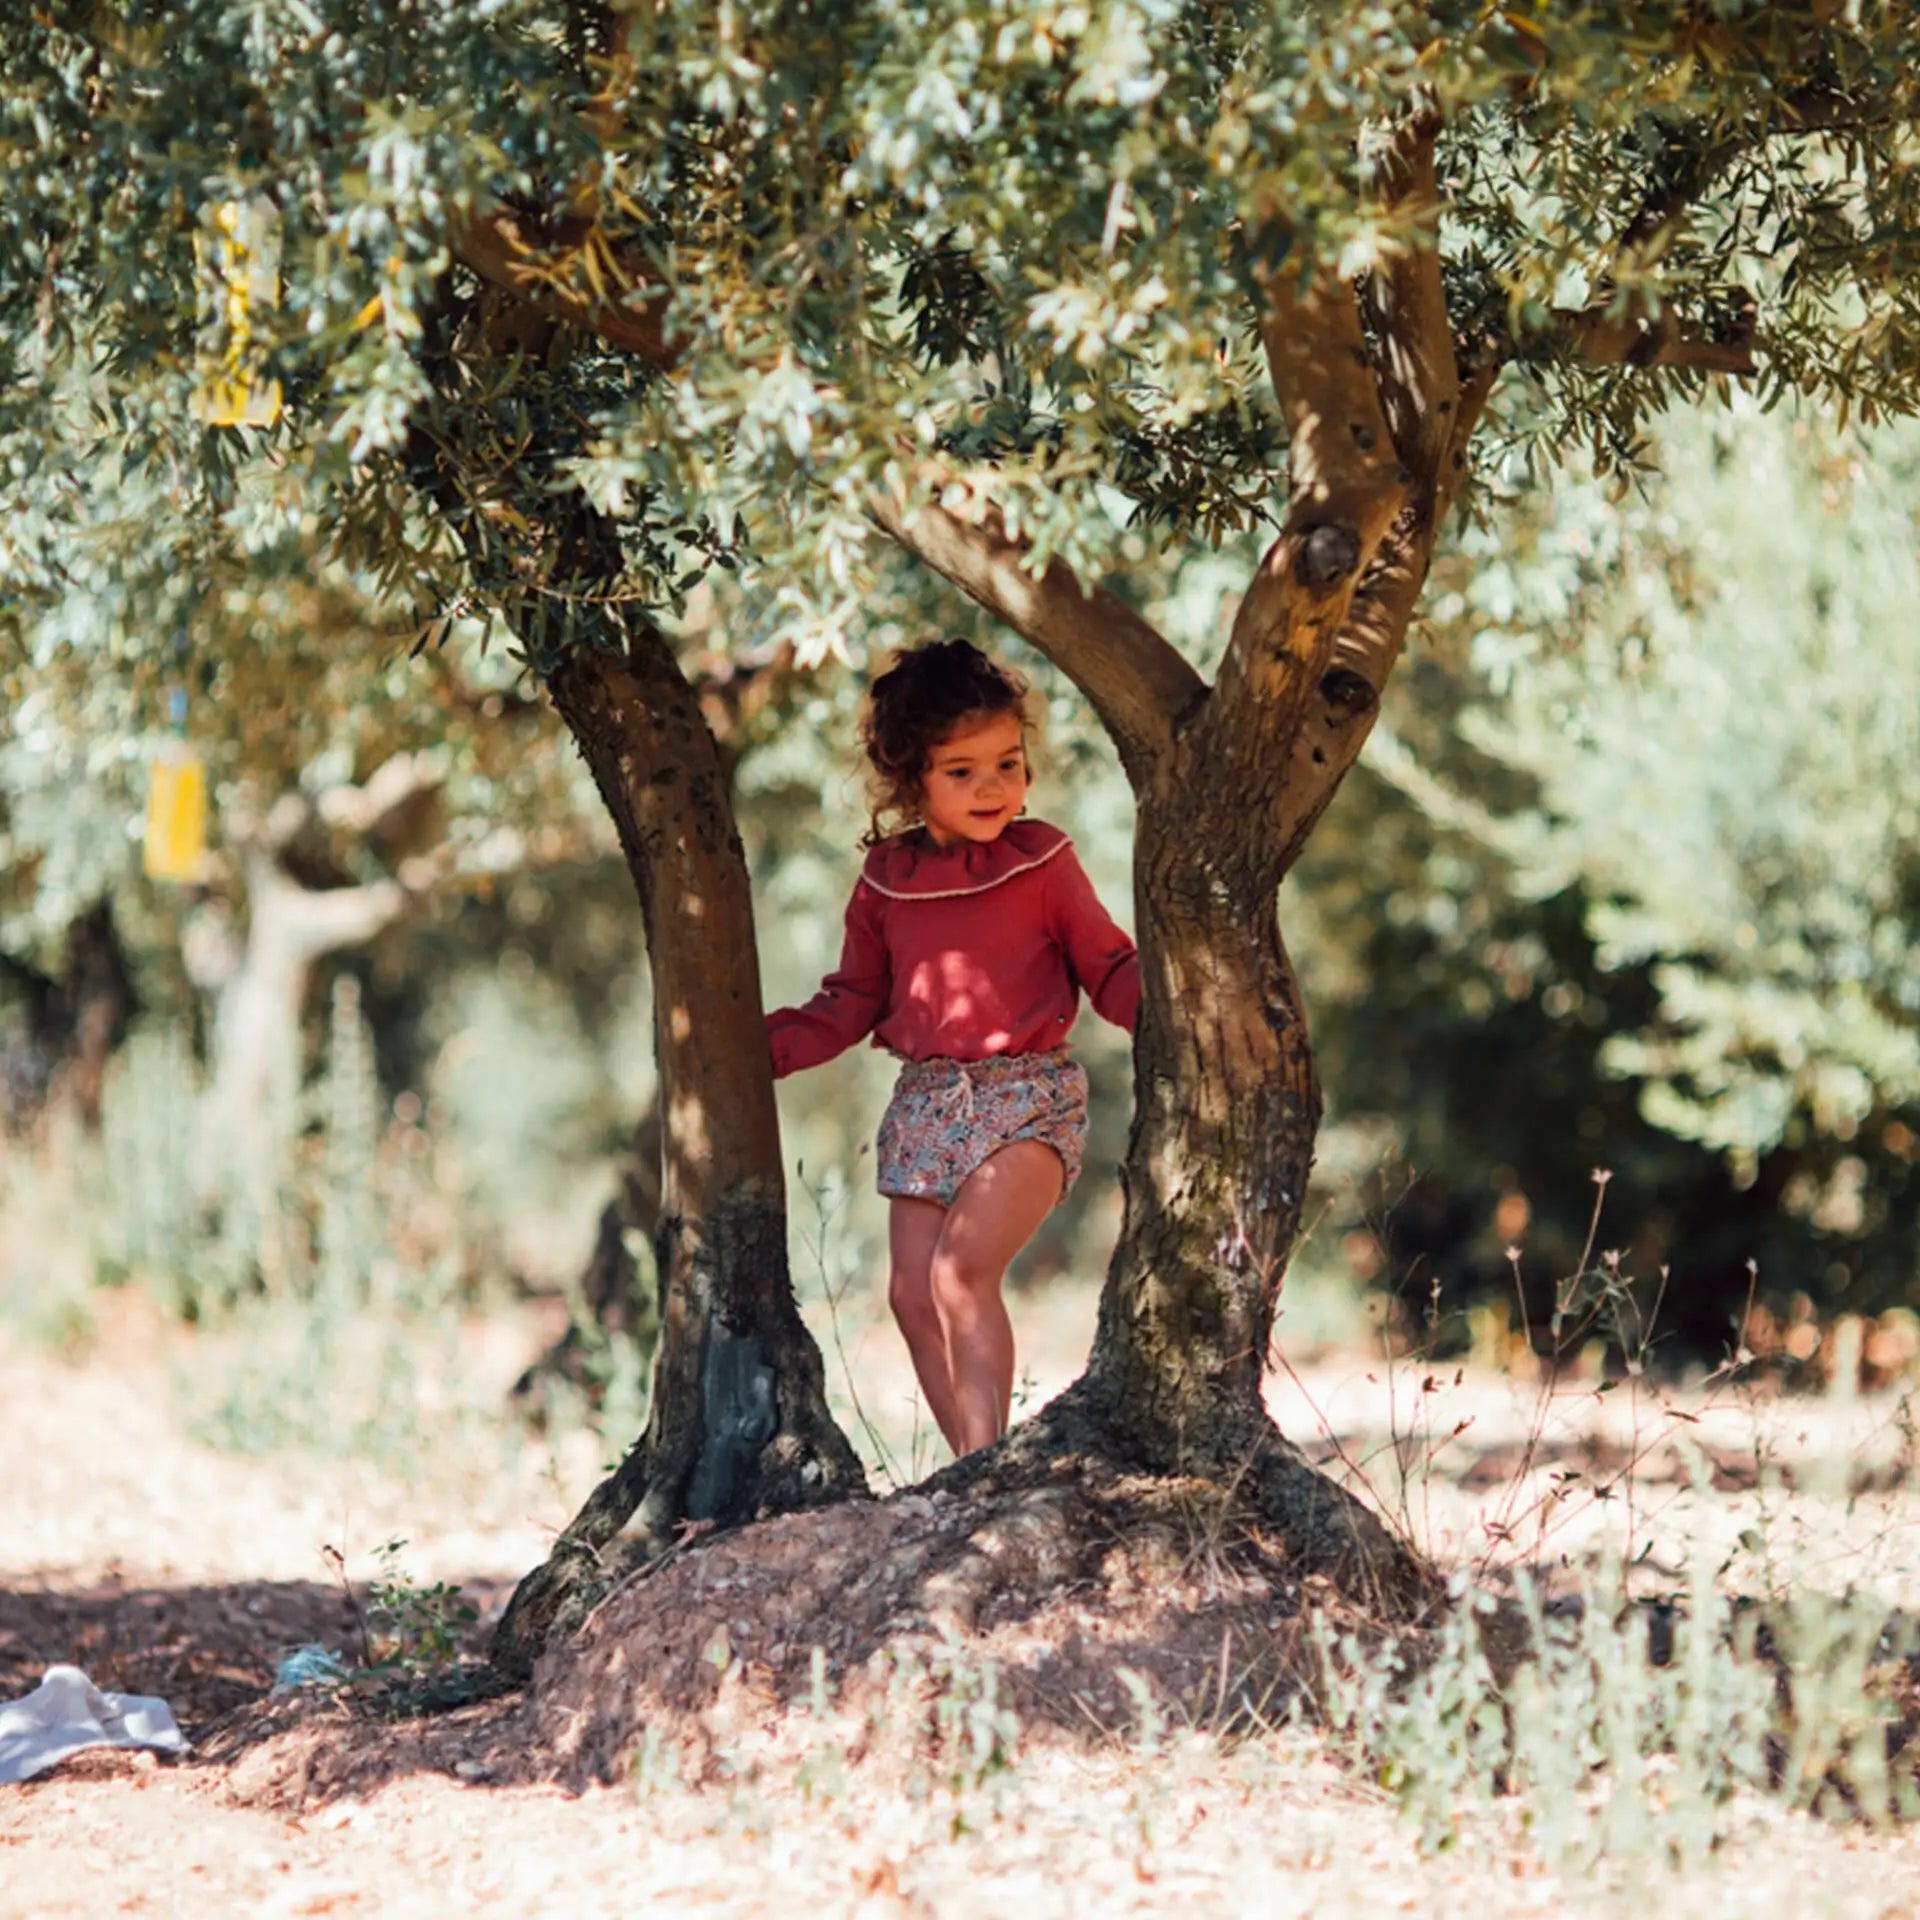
(692, 1752)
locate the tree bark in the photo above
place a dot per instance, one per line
(70, 1026)
(250, 1112)
(614, 1296)
(1227, 1106)
(738, 1427)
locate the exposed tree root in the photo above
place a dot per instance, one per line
(649, 1511)
(1265, 1481)
(1078, 1576)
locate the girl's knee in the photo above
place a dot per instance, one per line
(956, 1276)
(910, 1295)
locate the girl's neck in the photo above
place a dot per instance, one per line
(933, 836)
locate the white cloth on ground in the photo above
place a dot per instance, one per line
(66, 1713)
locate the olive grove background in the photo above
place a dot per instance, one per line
(1628, 880)
(583, 317)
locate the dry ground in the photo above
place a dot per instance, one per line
(164, 1566)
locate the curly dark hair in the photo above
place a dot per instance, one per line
(927, 695)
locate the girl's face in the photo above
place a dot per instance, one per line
(976, 781)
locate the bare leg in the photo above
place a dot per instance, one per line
(913, 1231)
(992, 1217)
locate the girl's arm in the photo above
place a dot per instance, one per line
(1101, 957)
(850, 1001)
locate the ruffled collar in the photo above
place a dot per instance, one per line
(910, 866)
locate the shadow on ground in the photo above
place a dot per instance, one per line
(1061, 1592)
(205, 1650)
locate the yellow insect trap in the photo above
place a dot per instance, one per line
(176, 837)
(238, 253)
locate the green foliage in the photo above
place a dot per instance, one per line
(417, 1630)
(1014, 240)
(1638, 885)
(148, 1223)
(979, 1733)
(1020, 233)
(320, 1236)
(1618, 1754)
(1721, 736)
(304, 1282)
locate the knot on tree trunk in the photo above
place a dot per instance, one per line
(1347, 692)
(1327, 555)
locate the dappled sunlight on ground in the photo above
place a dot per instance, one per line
(169, 1565)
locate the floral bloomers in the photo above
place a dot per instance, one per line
(947, 1116)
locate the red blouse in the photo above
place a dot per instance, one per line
(964, 952)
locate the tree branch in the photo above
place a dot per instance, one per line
(396, 783)
(1346, 483)
(1418, 373)
(1347, 487)
(1605, 338)
(306, 922)
(1135, 679)
(500, 247)
(1346, 699)
(1616, 332)
(1344, 470)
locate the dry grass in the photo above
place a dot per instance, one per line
(909, 1790)
(949, 1770)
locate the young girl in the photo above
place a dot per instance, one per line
(969, 939)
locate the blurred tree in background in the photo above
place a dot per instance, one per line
(410, 813)
(1644, 887)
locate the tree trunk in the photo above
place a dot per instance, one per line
(70, 1026)
(1227, 1109)
(253, 1089)
(100, 989)
(738, 1427)
(615, 1298)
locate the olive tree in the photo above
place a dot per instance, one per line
(578, 301)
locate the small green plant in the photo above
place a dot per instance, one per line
(654, 1766)
(837, 1271)
(1616, 1748)
(821, 1774)
(978, 1733)
(414, 1629)
(1146, 1797)
(65, 1325)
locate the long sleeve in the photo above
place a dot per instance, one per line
(1102, 959)
(850, 1001)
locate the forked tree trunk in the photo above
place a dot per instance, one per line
(1227, 1108)
(1230, 779)
(738, 1426)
